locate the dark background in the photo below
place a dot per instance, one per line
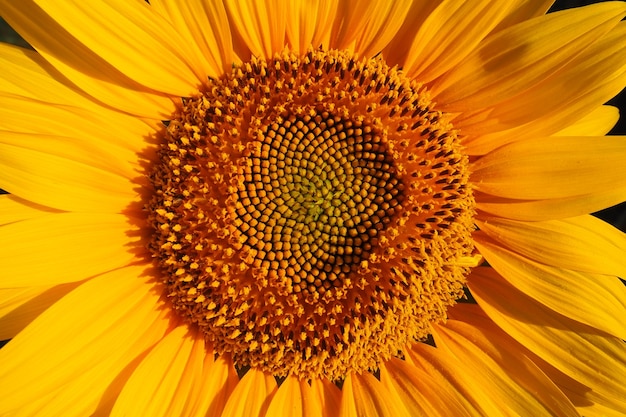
(615, 215)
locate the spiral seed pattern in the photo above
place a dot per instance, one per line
(311, 214)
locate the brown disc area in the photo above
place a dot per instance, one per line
(315, 191)
(311, 214)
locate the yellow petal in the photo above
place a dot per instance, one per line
(510, 378)
(20, 306)
(593, 77)
(385, 19)
(78, 63)
(76, 134)
(204, 25)
(117, 131)
(582, 243)
(215, 386)
(577, 350)
(597, 123)
(589, 403)
(168, 381)
(251, 396)
(14, 209)
(449, 34)
(596, 300)
(421, 394)
(397, 50)
(548, 209)
(309, 23)
(77, 347)
(366, 27)
(523, 55)
(129, 36)
(363, 395)
(11, 298)
(328, 395)
(62, 183)
(27, 74)
(524, 10)
(442, 369)
(554, 167)
(598, 73)
(294, 398)
(65, 247)
(351, 17)
(261, 24)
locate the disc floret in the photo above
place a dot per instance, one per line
(311, 213)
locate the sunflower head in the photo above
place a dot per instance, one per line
(312, 213)
(326, 178)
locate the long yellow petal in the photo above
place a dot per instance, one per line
(328, 395)
(215, 386)
(573, 119)
(261, 24)
(554, 167)
(251, 396)
(508, 376)
(80, 65)
(309, 23)
(548, 209)
(169, 379)
(589, 403)
(97, 330)
(582, 243)
(26, 74)
(421, 394)
(596, 300)
(442, 368)
(14, 209)
(156, 387)
(117, 131)
(597, 123)
(449, 34)
(351, 18)
(129, 36)
(577, 350)
(521, 56)
(524, 10)
(63, 132)
(204, 25)
(385, 20)
(600, 67)
(577, 393)
(366, 27)
(62, 183)
(294, 398)
(363, 395)
(598, 73)
(20, 306)
(65, 247)
(397, 51)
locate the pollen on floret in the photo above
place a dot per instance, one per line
(312, 214)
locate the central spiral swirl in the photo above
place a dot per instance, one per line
(311, 214)
(315, 192)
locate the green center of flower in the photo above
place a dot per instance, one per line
(311, 214)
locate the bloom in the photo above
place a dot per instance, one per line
(248, 208)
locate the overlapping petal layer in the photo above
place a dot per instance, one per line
(94, 340)
(92, 333)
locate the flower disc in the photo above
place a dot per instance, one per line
(312, 213)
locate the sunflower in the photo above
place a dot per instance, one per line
(316, 208)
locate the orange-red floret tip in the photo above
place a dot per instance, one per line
(312, 214)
